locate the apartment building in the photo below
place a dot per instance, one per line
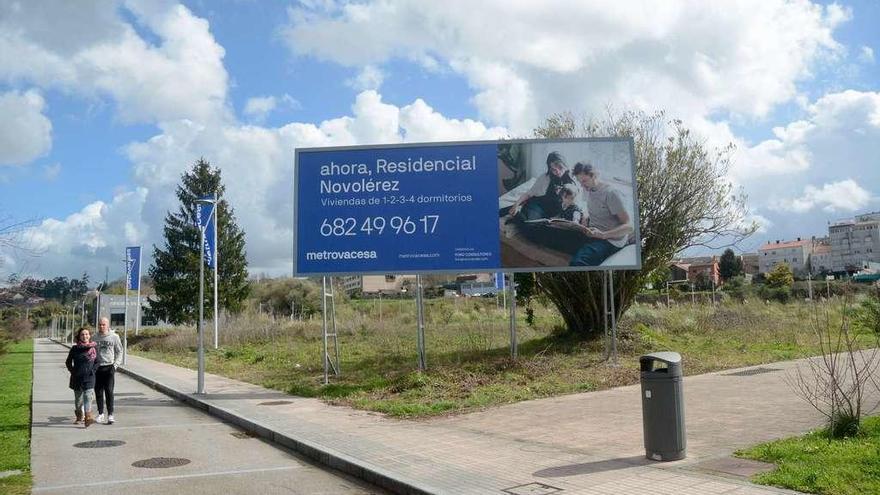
(796, 254)
(855, 242)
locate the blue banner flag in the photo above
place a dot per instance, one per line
(133, 267)
(205, 213)
(499, 280)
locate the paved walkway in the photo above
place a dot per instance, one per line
(221, 458)
(588, 443)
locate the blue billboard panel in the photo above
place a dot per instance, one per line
(133, 267)
(463, 207)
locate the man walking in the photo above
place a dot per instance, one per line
(109, 358)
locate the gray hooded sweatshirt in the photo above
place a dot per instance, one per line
(109, 348)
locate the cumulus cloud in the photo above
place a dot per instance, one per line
(527, 60)
(258, 108)
(845, 195)
(88, 48)
(25, 132)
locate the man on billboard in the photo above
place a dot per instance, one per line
(607, 223)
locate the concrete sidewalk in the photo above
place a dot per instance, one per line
(157, 446)
(588, 443)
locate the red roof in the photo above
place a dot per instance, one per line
(784, 244)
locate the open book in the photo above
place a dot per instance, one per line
(557, 223)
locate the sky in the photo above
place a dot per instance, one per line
(106, 103)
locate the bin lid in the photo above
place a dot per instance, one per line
(667, 357)
(671, 359)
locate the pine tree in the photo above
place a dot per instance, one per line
(175, 272)
(729, 265)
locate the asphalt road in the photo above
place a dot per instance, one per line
(154, 430)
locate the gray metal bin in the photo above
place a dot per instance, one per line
(663, 406)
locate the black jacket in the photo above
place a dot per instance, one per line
(81, 367)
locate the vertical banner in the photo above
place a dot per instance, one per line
(133, 267)
(205, 212)
(499, 280)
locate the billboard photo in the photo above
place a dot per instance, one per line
(518, 205)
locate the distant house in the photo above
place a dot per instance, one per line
(690, 269)
(795, 254)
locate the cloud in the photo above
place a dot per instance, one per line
(258, 108)
(370, 77)
(89, 49)
(25, 132)
(257, 168)
(866, 54)
(51, 172)
(528, 60)
(845, 195)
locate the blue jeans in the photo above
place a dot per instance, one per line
(593, 253)
(82, 399)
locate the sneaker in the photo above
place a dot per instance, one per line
(110, 419)
(100, 418)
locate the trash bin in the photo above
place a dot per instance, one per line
(663, 406)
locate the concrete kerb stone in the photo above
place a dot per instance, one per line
(318, 453)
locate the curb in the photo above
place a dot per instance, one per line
(322, 455)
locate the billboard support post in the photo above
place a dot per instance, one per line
(513, 340)
(420, 332)
(328, 328)
(613, 319)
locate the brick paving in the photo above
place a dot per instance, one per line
(588, 443)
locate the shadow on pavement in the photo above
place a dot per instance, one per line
(592, 467)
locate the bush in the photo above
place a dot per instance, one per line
(778, 294)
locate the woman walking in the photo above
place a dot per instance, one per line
(81, 364)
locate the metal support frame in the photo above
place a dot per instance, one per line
(514, 344)
(608, 296)
(328, 330)
(420, 331)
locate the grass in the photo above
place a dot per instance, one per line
(15, 416)
(468, 355)
(813, 463)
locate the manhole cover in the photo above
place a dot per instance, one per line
(127, 394)
(99, 444)
(275, 403)
(753, 371)
(243, 434)
(532, 489)
(161, 462)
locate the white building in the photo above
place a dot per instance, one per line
(855, 242)
(796, 254)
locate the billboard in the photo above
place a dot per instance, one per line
(517, 205)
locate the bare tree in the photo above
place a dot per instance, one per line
(13, 244)
(685, 200)
(837, 382)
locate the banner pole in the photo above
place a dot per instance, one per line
(200, 386)
(137, 311)
(125, 325)
(216, 268)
